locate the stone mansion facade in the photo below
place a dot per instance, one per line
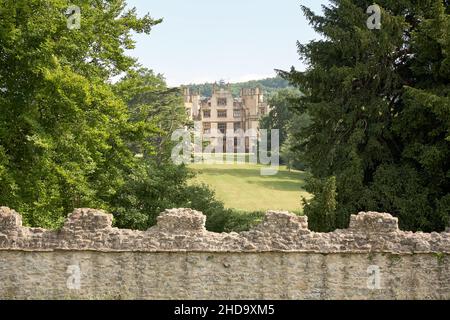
(226, 120)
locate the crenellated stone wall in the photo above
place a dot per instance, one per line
(179, 259)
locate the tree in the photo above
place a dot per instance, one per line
(290, 154)
(63, 132)
(379, 103)
(156, 110)
(322, 211)
(283, 117)
(155, 183)
(280, 112)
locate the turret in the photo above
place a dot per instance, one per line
(191, 101)
(252, 98)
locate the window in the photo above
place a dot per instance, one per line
(207, 114)
(222, 127)
(237, 113)
(221, 113)
(222, 102)
(206, 128)
(237, 126)
(262, 111)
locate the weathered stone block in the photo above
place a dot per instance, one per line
(176, 220)
(373, 222)
(283, 222)
(9, 220)
(88, 220)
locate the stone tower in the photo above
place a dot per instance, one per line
(253, 102)
(192, 102)
(252, 99)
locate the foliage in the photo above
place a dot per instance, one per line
(321, 210)
(283, 118)
(269, 86)
(231, 220)
(62, 130)
(280, 113)
(379, 103)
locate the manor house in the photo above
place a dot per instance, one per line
(225, 119)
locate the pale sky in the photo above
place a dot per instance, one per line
(234, 40)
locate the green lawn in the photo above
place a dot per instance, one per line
(241, 186)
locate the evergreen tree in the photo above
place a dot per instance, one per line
(379, 103)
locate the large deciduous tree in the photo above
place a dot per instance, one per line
(63, 132)
(379, 102)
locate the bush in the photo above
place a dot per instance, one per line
(218, 218)
(321, 210)
(231, 220)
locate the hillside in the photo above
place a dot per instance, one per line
(269, 86)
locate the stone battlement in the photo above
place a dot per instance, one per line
(181, 230)
(179, 259)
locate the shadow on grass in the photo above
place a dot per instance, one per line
(280, 185)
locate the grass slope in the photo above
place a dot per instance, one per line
(241, 186)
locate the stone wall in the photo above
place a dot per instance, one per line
(178, 259)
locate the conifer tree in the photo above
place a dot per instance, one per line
(379, 104)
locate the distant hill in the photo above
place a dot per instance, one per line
(269, 86)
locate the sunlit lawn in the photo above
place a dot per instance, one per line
(242, 187)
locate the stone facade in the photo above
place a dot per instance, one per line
(225, 120)
(179, 259)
